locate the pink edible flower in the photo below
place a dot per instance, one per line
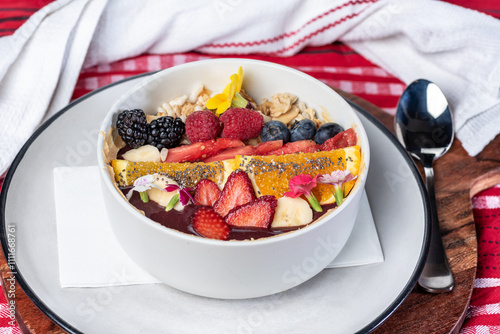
(303, 184)
(184, 193)
(337, 179)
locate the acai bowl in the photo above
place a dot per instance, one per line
(233, 260)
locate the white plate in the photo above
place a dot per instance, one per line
(347, 300)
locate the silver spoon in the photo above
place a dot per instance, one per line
(424, 126)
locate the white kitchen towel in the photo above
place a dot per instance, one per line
(90, 256)
(455, 47)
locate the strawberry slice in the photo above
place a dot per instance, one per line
(237, 191)
(340, 140)
(209, 224)
(230, 153)
(206, 193)
(201, 150)
(301, 146)
(257, 213)
(267, 146)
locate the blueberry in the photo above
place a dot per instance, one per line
(327, 131)
(275, 130)
(302, 130)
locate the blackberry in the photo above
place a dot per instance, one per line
(165, 132)
(132, 127)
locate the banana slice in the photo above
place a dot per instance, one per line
(160, 196)
(143, 153)
(292, 212)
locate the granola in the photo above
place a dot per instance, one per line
(283, 107)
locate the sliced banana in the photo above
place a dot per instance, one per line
(161, 196)
(292, 212)
(143, 153)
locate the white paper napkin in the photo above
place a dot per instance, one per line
(363, 246)
(90, 256)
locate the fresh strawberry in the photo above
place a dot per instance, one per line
(237, 191)
(201, 150)
(230, 153)
(257, 213)
(241, 123)
(343, 139)
(267, 146)
(301, 146)
(209, 224)
(206, 193)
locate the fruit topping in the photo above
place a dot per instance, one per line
(270, 174)
(327, 131)
(301, 146)
(275, 130)
(230, 153)
(201, 150)
(132, 127)
(210, 224)
(201, 126)
(257, 213)
(143, 153)
(237, 191)
(159, 195)
(260, 149)
(292, 212)
(267, 146)
(206, 193)
(343, 139)
(302, 130)
(241, 123)
(165, 132)
(185, 174)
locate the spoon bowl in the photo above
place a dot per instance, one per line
(424, 123)
(424, 126)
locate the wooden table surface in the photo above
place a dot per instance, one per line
(456, 173)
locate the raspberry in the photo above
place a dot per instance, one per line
(202, 125)
(241, 123)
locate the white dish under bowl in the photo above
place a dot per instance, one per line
(341, 300)
(233, 269)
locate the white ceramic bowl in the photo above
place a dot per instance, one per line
(232, 269)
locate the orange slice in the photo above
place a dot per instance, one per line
(270, 174)
(187, 174)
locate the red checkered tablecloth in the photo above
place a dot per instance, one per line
(336, 65)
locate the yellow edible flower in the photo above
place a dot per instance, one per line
(223, 101)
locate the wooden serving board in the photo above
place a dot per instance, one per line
(457, 176)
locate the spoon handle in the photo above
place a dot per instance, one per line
(436, 276)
